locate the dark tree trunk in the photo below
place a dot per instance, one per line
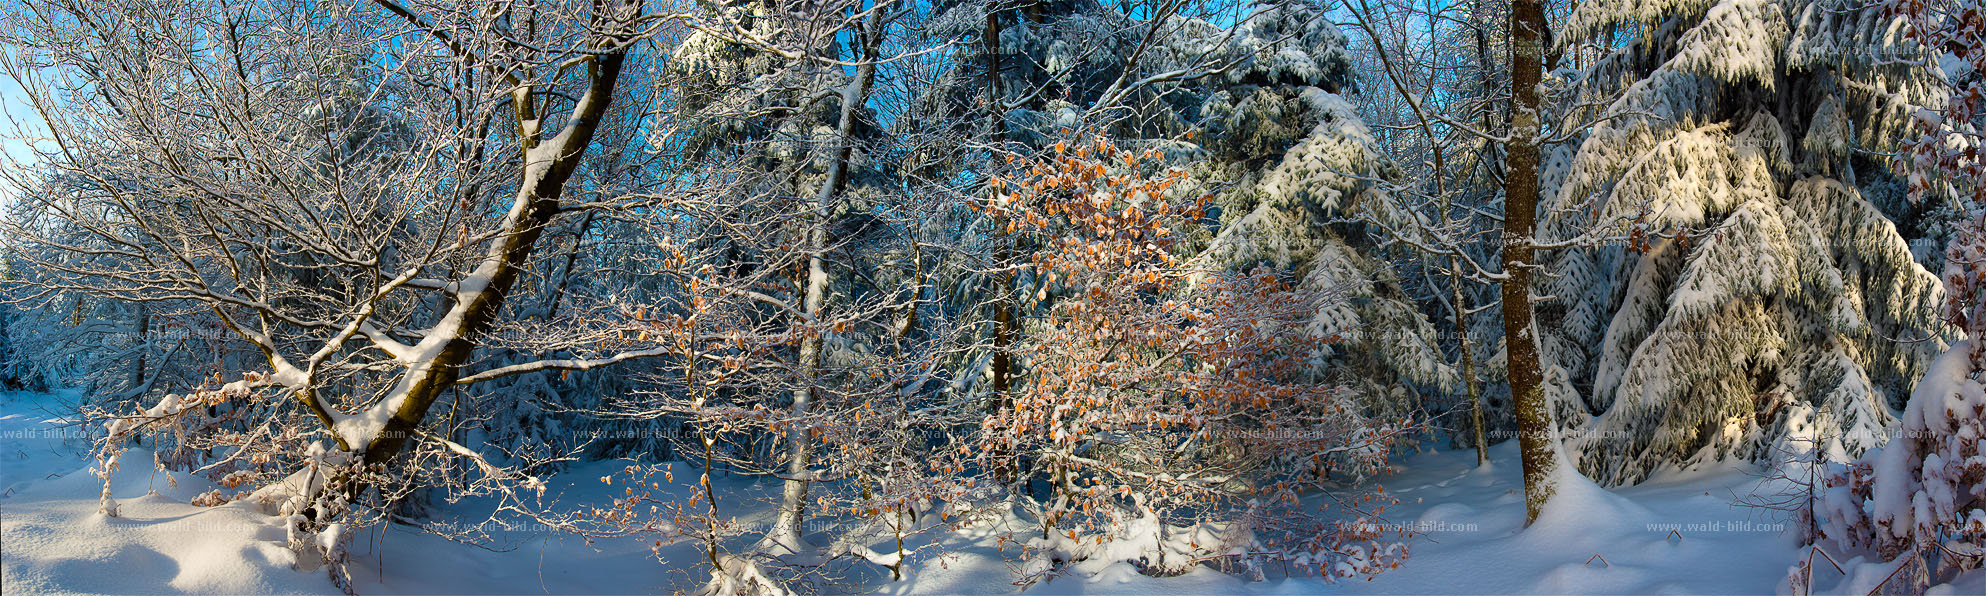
(1520, 206)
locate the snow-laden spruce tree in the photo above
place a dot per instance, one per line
(1920, 499)
(1254, 109)
(1293, 171)
(1761, 289)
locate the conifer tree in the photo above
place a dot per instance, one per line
(1763, 289)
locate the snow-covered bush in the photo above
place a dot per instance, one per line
(1168, 411)
(1923, 495)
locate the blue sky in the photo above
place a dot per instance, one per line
(17, 119)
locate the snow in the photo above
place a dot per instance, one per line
(35, 430)
(1469, 521)
(1473, 540)
(1738, 39)
(1722, 550)
(529, 559)
(158, 544)
(54, 540)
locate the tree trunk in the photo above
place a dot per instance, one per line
(536, 204)
(135, 384)
(1468, 360)
(786, 529)
(1004, 329)
(564, 282)
(793, 498)
(1520, 207)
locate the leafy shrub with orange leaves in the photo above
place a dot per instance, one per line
(1166, 405)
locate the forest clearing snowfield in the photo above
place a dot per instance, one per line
(1468, 524)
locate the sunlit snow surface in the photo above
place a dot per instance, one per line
(51, 540)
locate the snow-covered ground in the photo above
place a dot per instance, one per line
(1469, 523)
(52, 540)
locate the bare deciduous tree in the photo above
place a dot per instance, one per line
(353, 190)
